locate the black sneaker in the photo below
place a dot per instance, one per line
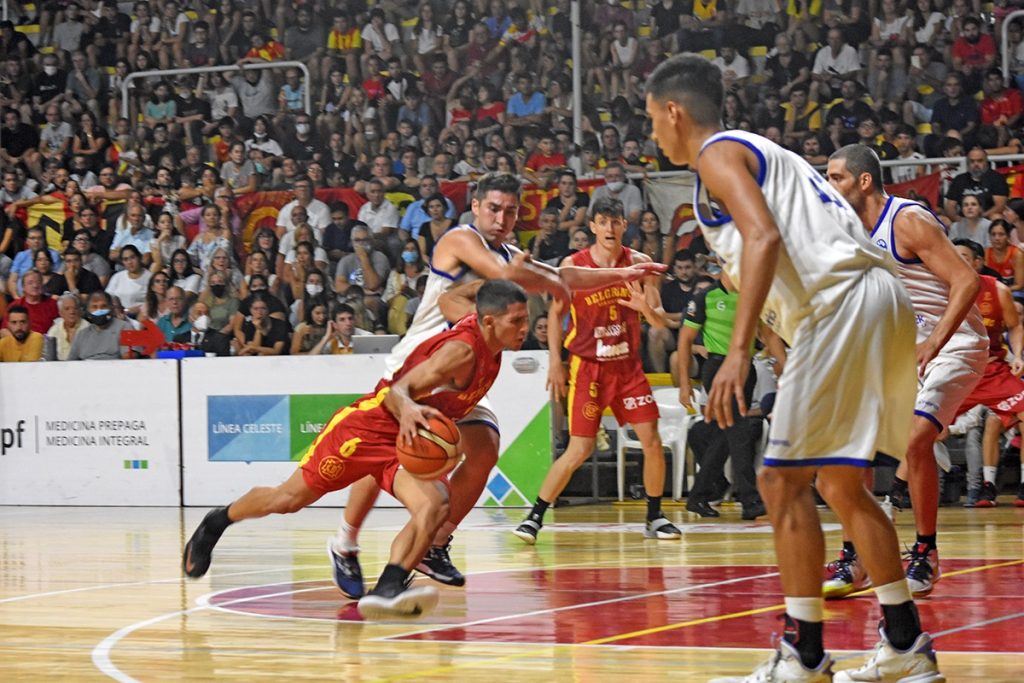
(398, 601)
(923, 569)
(438, 565)
(348, 575)
(527, 531)
(199, 549)
(754, 510)
(987, 496)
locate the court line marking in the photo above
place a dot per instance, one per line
(582, 605)
(635, 634)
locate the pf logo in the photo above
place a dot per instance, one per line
(591, 410)
(331, 468)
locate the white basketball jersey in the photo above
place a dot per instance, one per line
(928, 293)
(429, 320)
(825, 248)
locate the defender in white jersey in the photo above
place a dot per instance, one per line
(952, 346)
(465, 254)
(801, 260)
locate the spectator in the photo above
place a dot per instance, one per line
(542, 165)
(887, 79)
(367, 268)
(787, 68)
(617, 187)
(200, 336)
(155, 305)
(55, 138)
(313, 291)
(216, 236)
(317, 213)
(101, 339)
(904, 143)
(845, 116)
(1001, 107)
(183, 274)
(973, 54)
(1005, 258)
(344, 45)
(651, 240)
(130, 284)
(972, 225)
(430, 231)
(20, 343)
(416, 213)
(401, 287)
(165, 244)
(91, 261)
(135, 234)
(75, 279)
(379, 214)
(175, 322)
(221, 302)
(42, 263)
(261, 335)
(259, 288)
(550, 245)
(954, 113)
(66, 327)
(311, 330)
(676, 292)
(802, 119)
(980, 180)
(833, 64)
(338, 337)
(526, 106)
(24, 260)
(19, 142)
(256, 93)
(570, 202)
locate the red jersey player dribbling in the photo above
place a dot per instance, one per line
(605, 370)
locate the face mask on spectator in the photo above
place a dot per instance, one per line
(409, 256)
(314, 289)
(50, 70)
(201, 324)
(615, 186)
(301, 128)
(218, 290)
(100, 317)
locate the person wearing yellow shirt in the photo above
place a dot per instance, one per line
(803, 117)
(22, 344)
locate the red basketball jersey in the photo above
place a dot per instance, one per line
(991, 314)
(600, 328)
(369, 416)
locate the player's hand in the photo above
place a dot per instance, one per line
(1017, 367)
(638, 271)
(414, 415)
(558, 381)
(926, 351)
(727, 387)
(636, 301)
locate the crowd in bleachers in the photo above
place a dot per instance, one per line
(408, 97)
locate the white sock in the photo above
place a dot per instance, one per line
(347, 538)
(806, 609)
(989, 472)
(895, 593)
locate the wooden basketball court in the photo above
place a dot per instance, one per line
(89, 593)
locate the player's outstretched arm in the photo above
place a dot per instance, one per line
(918, 232)
(451, 365)
(728, 170)
(558, 379)
(645, 296)
(584, 279)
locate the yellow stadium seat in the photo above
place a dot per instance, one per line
(758, 51)
(924, 128)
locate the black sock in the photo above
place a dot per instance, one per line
(653, 507)
(928, 540)
(806, 637)
(902, 624)
(217, 520)
(393, 576)
(848, 547)
(539, 508)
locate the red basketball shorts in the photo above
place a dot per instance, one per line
(594, 386)
(999, 391)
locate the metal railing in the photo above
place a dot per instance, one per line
(164, 73)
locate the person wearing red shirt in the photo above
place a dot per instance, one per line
(542, 164)
(42, 310)
(1001, 107)
(973, 54)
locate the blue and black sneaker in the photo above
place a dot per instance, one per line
(348, 575)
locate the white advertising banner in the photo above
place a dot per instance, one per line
(247, 421)
(89, 433)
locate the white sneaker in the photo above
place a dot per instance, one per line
(785, 667)
(412, 602)
(663, 529)
(916, 665)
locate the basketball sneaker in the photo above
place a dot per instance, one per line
(972, 498)
(348, 575)
(923, 569)
(845, 576)
(398, 601)
(987, 496)
(437, 564)
(917, 664)
(199, 549)
(785, 666)
(1019, 502)
(662, 529)
(528, 531)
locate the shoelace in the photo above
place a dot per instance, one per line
(842, 568)
(919, 567)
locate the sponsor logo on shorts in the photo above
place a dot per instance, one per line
(591, 410)
(1008, 405)
(634, 402)
(331, 468)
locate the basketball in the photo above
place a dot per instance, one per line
(434, 452)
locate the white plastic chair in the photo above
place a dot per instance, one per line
(674, 428)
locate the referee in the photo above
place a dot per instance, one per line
(713, 314)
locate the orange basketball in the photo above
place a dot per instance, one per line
(434, 452)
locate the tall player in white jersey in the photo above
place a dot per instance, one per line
(952, 346)
(464, 254)
(801, 260)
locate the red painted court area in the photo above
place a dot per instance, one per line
(973, 609)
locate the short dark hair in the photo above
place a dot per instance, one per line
(682, 255)
(506, 183)
(976, 249)
(861, 159)
(343, 308)
(17, 308)
(608, 206)
(102, 294)
(495, 296)
(692, 81)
